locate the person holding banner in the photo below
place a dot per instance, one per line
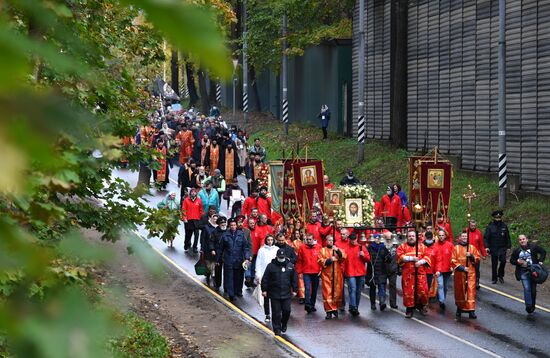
(413, 259)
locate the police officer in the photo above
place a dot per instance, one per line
(497, 242)
(280, 284)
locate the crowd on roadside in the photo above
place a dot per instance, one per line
(282, 258)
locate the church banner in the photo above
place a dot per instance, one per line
(430, 185)
(310, 189)
(276, 176)
(289, 205)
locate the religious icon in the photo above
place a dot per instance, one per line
(354, 212)
(436, 178)
(334, 197)
(308, 175)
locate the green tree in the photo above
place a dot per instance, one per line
(309, 23)
(72, 80)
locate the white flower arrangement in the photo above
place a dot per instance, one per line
(363, 192)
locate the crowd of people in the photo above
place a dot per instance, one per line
(254, 246)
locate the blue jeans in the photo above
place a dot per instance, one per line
(311, 281)
(529, 288)
(442, 283)
(355, 285)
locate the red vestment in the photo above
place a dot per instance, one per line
(465, 292)
(408, 275)
(214, 158)
(186, 140)
(332, 278)
(161, 171)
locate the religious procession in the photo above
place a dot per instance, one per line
(283, 230)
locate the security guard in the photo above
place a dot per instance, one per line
(497, 242)
(280, 284)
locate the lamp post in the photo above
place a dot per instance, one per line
(235, 63)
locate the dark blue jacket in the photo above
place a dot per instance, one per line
(324, 121)
(234, 249)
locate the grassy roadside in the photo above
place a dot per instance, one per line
(529, 213)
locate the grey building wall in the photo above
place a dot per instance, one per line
(453, 82)
(321, 76)
(377, 72)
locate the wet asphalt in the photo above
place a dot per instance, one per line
(502, 329)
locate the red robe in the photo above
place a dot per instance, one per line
(408, 275)
(465, 293)
(187, 141)
(332, 278)
(162, 170)
(214, 158)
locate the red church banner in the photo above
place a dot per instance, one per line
(310, 189)
(430, 185)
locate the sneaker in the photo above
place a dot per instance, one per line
(267, 318)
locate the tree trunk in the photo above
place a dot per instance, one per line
(205, 103)
(175, 72)
(254, 86)
(193, 96)
(398, 60)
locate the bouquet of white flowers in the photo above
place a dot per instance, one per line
(363, 192)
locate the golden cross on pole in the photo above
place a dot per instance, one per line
(469, 195)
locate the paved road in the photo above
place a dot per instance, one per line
(502, 328)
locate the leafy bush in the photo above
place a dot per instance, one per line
(141, 340)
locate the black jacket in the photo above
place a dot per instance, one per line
(290, 254)
(538, 254)
(348, 181)
(278, 280)
(497, 237)
(214, 241)
(378, 267)
(206, 236)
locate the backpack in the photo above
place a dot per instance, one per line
(539, 273)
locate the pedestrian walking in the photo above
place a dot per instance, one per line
(192, 211)
(412, 257)
(377, 272)
(443, 255)
(332, 276)
(235, 251)
(209, 255)
(497, 242)
(308, 265)
(266, 254)
(476, 239)
(279, 285)
(464, 259)
(354, 271)
(524, 257)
